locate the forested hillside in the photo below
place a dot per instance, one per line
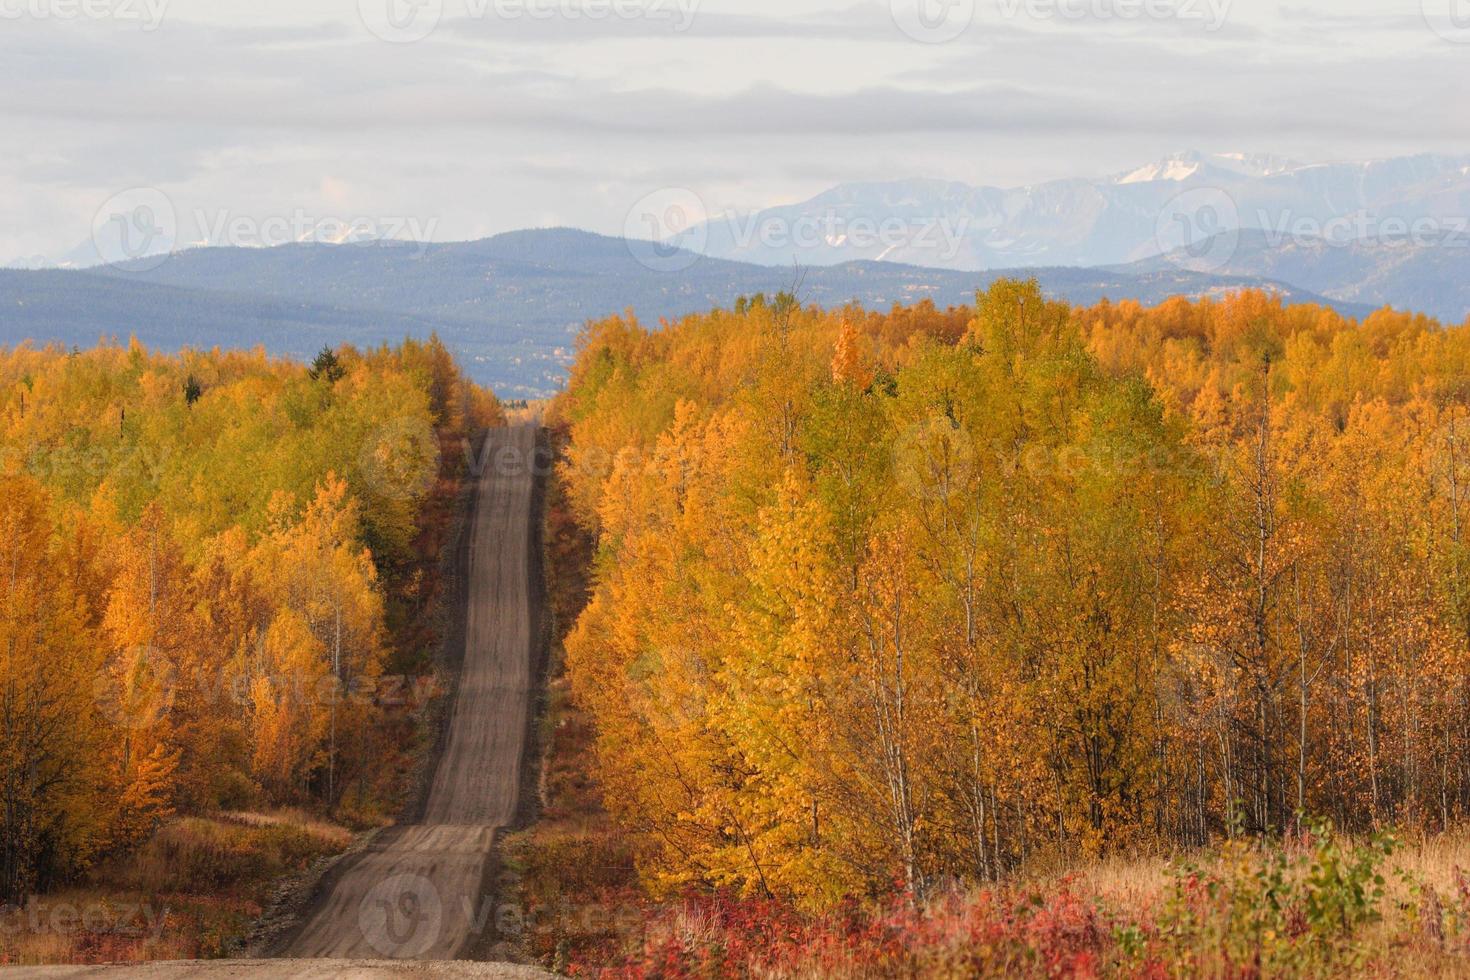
(208, 562)
(510, 306)
(938, 596)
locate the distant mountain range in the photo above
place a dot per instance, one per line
(1432, 278)
(1104, 221)
(1355, 235)
(510, 306)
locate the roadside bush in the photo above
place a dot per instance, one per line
(1314, 905)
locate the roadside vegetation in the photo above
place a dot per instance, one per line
(1018, 638)
(568, 881)
(193, 890)
(218, 628)
(1312, 905)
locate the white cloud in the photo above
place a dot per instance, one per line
(266, 106)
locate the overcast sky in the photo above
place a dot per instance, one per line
(491, 115)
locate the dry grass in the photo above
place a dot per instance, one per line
(1433, 860)
(1306, 908)
(1437, 860)
(1425, 925)
(1227, 915)
(1127, 881)
(192, 892)
(299, 819)
(571, 875)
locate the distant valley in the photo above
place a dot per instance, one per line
(1397, 272)
(510, 306)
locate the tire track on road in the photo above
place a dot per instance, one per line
(416, 892)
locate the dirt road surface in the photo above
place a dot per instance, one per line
(416, 893)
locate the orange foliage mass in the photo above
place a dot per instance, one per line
(935, 596)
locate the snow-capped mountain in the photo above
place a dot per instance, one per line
(1179, 201)
(1183, 166)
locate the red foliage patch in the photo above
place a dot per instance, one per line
(997, 931)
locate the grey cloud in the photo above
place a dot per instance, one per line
(489, 129)
(862, 23)
(870, 22)
(1325, 18)
(536, 102)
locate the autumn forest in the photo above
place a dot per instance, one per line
(212, 563)
(932, 597)
(881, 642)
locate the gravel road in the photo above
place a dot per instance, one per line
(417, 892)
